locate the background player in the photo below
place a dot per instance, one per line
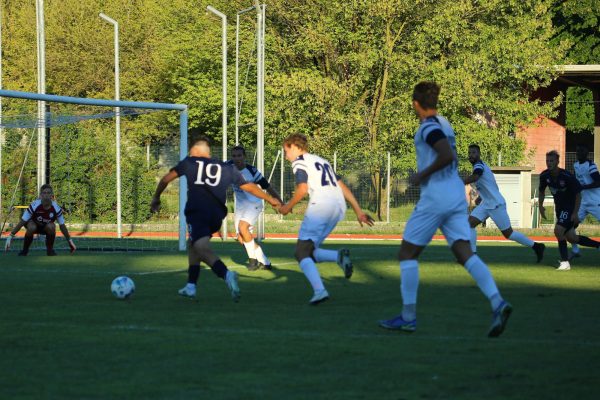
(588, 177)
(493, 205)
(567, 197)
(39, 218)
(208, 180)
(327, 206)
(442, 204)
(248, 208)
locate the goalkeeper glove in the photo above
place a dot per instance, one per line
(72, 245)
(8, 240)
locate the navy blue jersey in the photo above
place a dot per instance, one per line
(564, 188)
(208, 180)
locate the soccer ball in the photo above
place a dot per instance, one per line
(122, 287)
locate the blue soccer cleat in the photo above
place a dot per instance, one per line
(399, 324)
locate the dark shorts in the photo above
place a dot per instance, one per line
(563, 218)
(201, 224)
(40, 229)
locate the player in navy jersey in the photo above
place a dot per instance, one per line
(248, 209)
(40, 218)
(587, 174)
(208, 180)
(493, 205)
(326, 207)
(443, 205)
(566, 191)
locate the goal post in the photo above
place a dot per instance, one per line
(182, 109)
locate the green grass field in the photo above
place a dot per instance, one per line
(63, 334)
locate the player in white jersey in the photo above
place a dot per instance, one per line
(326, 207)
(442, 205)
(248, 208)
(493, 205)
(587, 174)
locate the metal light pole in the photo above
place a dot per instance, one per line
(224, 79)
(237, 74)
(118, 119)
(41, 66)
(1, 128)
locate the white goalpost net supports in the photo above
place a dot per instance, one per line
(123, 106)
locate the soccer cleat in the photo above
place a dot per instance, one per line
(267, 267)
(319, 297)
(23, 253)
(253, 265)
(500, 319)
(232, 283)
(539, 250)
(564, 266)
(399, 324)
(51, 252)
(574, 254)
(188, 291)
(343, 260)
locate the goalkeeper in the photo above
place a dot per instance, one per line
(39, 218)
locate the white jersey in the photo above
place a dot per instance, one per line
(253, 175)
(583, 173)
(318, 174)
(487, 186)
(444, 188)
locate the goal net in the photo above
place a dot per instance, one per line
(75, 144)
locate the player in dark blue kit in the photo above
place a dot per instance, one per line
(208, 180)
(566, 191)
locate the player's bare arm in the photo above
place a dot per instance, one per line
(541, 199)
(575, 214)
(274, 193)
(255, 190)
(299, 193)
(444, 158)
(162, 185)
(349, 196)
(471, 179)
(67, 236)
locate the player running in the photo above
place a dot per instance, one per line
(493, 205)
(566, 191)
(208, 180)
(437, 175)
(40, 218)
(248, 208)
(326, 207)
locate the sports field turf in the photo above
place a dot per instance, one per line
(63, 334)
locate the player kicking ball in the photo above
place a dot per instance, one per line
(493, 205)
(248, 208)
(326, 207)
(40, 218)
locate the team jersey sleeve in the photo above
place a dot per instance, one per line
(28, 213)
(300, 171)
(574, 184)
(593, 170)
(179, 168)
(432, 133)
(258, 178)
(477, 169)
(60, 218)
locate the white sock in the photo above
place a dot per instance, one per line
(483, 277)
(521, 239)
(473, 240)
(311, 272)
(250, 246)
(322, 255)
(409, 286)
(260, 255)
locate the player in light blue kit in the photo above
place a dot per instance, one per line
(493, 205)
(248, 209)
(587, 174)
(442, 205)
(326, 207)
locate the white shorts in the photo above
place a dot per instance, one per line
(318, 223)
(499, 215)
(423, 223)
(585, 209)
(248, 212)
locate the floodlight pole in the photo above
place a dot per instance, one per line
(118, 119)
(41, 66)
(1, 128)
(224, 79)
(237, 73)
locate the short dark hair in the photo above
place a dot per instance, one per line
(200, 138)
(583, 146)
(475, 146)
(427, 94)
(553, 153)
(298, 140)
(46, 186)
(239, 148)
